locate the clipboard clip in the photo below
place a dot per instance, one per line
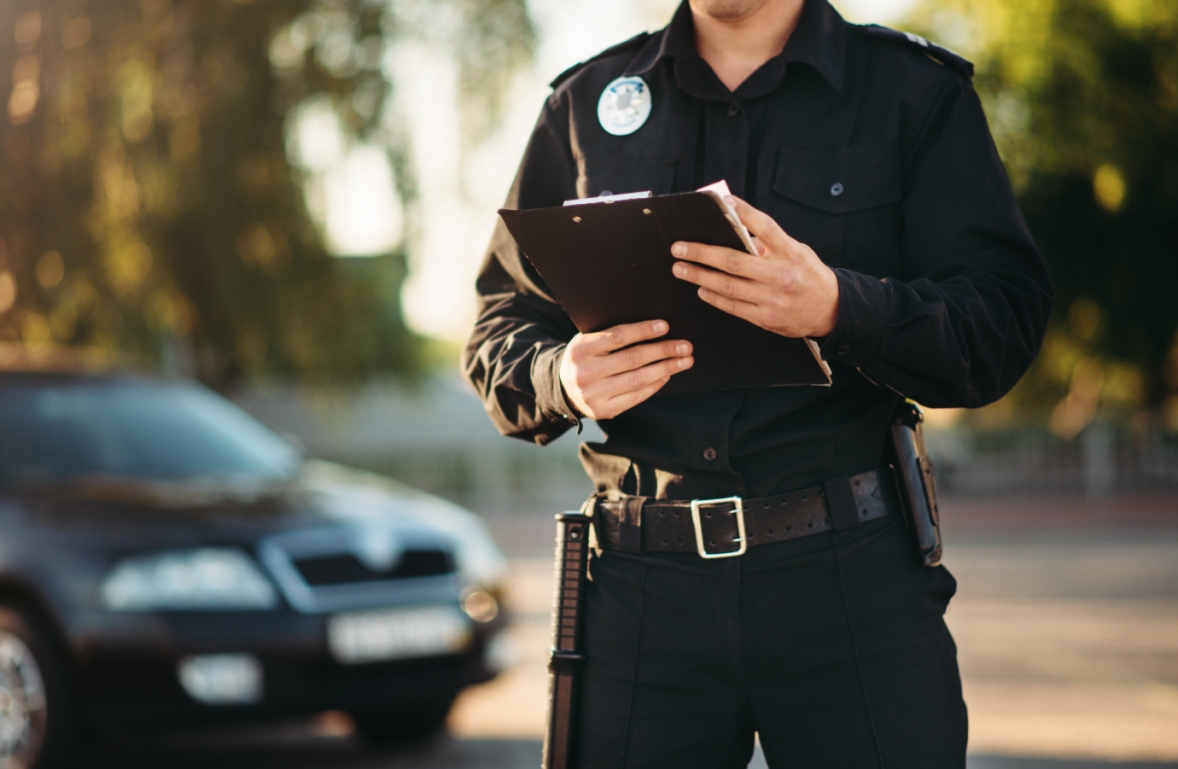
(609, 198)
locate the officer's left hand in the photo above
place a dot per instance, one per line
(788, 291)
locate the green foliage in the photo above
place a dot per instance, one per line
(147, 204)
(1083, 99)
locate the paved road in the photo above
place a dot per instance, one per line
(447, 753)
(1066, 621)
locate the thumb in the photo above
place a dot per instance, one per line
(763, 226)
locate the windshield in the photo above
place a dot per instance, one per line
(61, 430)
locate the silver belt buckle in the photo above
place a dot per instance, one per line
(737, 509)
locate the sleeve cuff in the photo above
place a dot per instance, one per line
(550, 398)
(859, 329)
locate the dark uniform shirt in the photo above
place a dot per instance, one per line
(860, 144)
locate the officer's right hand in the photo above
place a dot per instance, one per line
(601, 379)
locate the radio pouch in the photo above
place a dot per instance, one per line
(915, 481)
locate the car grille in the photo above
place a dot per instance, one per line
(347, 569)
(324, 570)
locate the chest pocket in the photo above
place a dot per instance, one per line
(845, 204)
(626, 174)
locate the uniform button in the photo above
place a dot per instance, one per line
(733, 110)
(846, 348)
(836, 189)
(709, 453)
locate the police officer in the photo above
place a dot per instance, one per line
(863, 164)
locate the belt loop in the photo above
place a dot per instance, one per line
(840, 501)
(630, 525)
(589, 509)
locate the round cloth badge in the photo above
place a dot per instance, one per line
(624, 106)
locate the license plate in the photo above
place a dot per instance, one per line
(392, 634)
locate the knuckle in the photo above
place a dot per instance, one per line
(733, 261)
(727, 286)
(615, 335)
(632, 358)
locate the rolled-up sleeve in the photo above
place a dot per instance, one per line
(513, 355)
(963, 322)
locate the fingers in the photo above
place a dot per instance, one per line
(631, 399)
(761, 225)
(639, 355)
(611, 396)
(722, 282)
(727, 260)
(594, 382)
(605, 342)
(633, 387)
(740, 309)
(639, 379)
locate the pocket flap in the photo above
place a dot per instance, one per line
(841, 180)
(629, 175)
(659, 173)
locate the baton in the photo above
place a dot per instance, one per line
(564, 662)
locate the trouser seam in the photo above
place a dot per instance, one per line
(737, 651)
(838, 555)
(634, 666)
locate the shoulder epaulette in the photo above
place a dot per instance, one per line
(633, 42)
(943, 55)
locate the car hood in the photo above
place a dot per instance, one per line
(122, 516)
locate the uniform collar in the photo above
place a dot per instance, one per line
(819, 41)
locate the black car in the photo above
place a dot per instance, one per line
(165, 558)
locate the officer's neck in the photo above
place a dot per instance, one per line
(736, 37)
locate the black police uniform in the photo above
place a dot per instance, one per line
(871, 147)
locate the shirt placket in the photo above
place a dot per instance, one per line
(727, 144)
(726, 147)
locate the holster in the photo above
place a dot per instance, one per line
(915, 481)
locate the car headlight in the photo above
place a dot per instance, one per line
(206, 578)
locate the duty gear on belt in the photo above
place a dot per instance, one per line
(635, 525)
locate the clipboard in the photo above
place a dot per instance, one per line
(609, 262)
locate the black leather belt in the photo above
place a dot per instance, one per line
(728, 526)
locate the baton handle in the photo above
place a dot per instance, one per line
(572, 560)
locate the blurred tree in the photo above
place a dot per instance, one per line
(1083, 99)
(148, 206)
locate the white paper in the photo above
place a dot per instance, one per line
(719, 191)
(608, 198)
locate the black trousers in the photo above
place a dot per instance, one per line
(831, 647)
